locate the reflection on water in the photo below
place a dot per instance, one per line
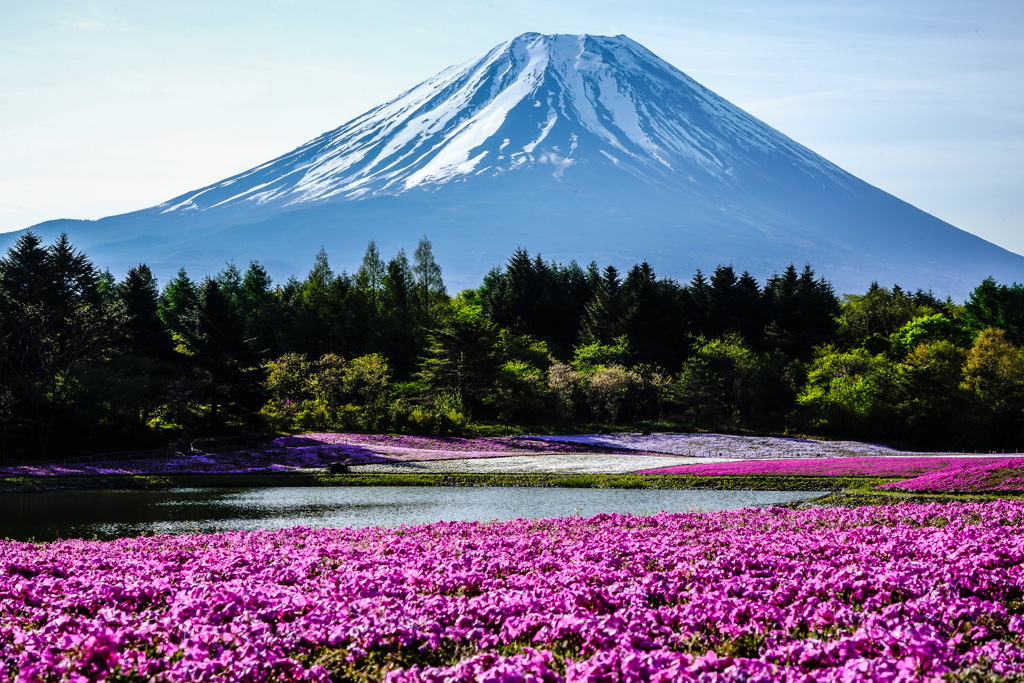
(112, 514)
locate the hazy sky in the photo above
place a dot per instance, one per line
(108, 106)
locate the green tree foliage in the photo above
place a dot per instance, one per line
(520, 391)
(329, 393)
(926, 329)
(544, 300)
(460, 357)
(320, 312)
(607, 315)
(115, 363)
(134, 384)
(179, 297)
(367, 382)
(933, 406)
(369, 278)
(997, 306)
(400, 338)
(655, 323)
(145, 333)
(726, 383)
(800, 312)
(869, 320)
(261, 310)
(699, 395)
(429, 287)
(596, 354)
(225, 367)
(54, 325)
(993, 376)
(851, 392)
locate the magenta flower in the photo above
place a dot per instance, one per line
(926, 473)
(894, 593)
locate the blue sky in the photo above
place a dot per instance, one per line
(111, 106)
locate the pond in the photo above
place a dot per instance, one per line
(112, 514)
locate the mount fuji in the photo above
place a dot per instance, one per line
(574, 146)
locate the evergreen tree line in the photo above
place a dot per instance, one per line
(89, 363)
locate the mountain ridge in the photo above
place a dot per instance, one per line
(578, 147)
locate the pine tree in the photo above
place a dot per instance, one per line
(261, 311)
(178, 298)
(697, 304)
(144, 332)
(74, 279)
(24, 272)
(430, 289)
(143, 362)
(229, 282)
(54, 324)
(607, 315)
(214, 335)
(401, 339)
(369, 278)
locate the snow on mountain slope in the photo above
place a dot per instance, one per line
(534, 103)
(577, 147)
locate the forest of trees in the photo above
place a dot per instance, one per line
(89, 363)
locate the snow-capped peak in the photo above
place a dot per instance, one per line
(543, 103)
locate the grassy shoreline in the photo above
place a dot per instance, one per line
(287, 479)
(849, 492)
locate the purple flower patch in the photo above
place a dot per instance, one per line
(891, 593)
(928, 473)
(317, 451)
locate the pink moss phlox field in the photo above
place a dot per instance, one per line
(455, 444)
(994, 474)
(868, 466)
(927, 473)
(891, 593)
(317, 450)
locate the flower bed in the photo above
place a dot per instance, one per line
(728, 445)
(929, 473)
(994, 474)
(835, 467)
(894, 593)
(318, 450)
(488, 445)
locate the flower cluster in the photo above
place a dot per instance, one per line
(927, 473)
(892, 593)
(317, 451)
(456, 445)
(981, 474)
(728, 445)
(833, 467)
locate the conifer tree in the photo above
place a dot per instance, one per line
(369, 278)
(24, 272)
(260, 309)
(178, 298)
(214, 335)
(53, 324)
(430, 288)
(607, 314)
(144, 332)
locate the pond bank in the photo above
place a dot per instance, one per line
(285, 479)
(847, 492)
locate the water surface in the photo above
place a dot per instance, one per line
(112, 514)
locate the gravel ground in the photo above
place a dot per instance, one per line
(561, 463)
